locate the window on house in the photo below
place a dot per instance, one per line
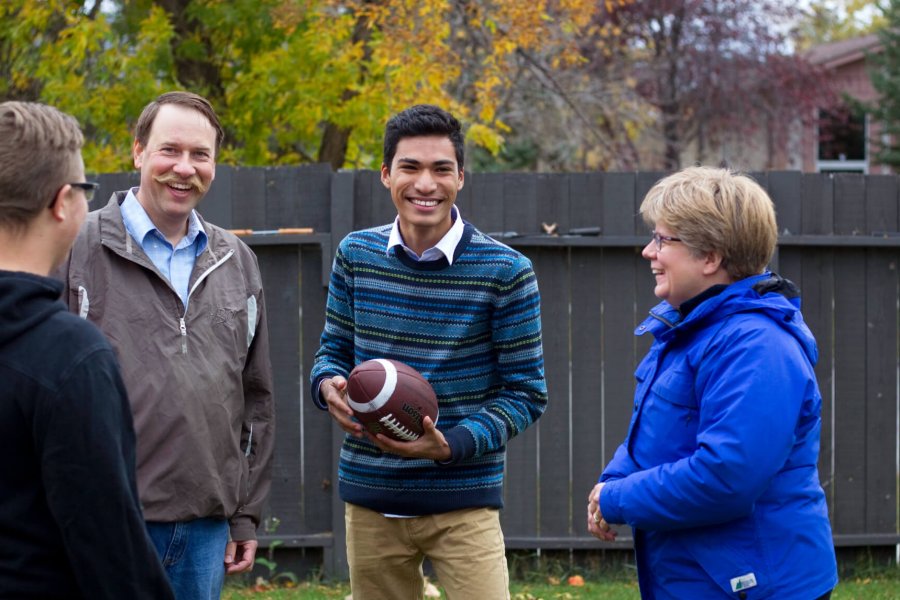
(842, 142)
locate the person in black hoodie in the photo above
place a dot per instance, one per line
(70, 521)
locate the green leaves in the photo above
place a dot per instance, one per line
(292, 80)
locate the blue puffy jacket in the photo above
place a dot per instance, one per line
(717, 475)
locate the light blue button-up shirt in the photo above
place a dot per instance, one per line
(175, 264)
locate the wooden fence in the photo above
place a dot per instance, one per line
(839, 240)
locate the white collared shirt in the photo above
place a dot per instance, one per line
(445, 247)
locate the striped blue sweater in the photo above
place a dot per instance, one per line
(471, 328)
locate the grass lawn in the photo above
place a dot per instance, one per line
(884, 586)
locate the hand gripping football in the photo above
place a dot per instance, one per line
(391, 398)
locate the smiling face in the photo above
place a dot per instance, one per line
(424, 179)
(680, 274)
(177, 167)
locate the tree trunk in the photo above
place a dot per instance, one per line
(333, 149)
(199, 75)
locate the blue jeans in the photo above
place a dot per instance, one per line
(193, 555)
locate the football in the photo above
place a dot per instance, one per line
(391, 398)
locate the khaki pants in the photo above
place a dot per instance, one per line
(465, 548)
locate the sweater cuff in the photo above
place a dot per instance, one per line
(242, 529)
(314, 389)
(462, 445)
(610, 506)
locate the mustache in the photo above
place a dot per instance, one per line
(194, 181)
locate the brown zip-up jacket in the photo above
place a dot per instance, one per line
(199, 381)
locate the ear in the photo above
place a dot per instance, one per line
(385, 176)
(712, 263)
(137, 153)
(462, 177)
(59, 208)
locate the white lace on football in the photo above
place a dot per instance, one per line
(397, 429)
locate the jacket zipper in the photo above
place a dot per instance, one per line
(181, 321)
(183, 328)
(664, 320)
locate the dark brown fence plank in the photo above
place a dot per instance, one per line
(487, 202)
(850, 392)
(464, 197)
(553, 201)
(818, 204)
(817, 286)
(318, 481)
(520, 490)
(619, 204)
(849, 204)
(113, 182)
(587, 379)
(618, 344)
(881, 204)
(785, 191)
(216, 206)
(283, 197)
(298, 197)
(881, 386)
(372, 201)
(586, 200)
(555, 454)
(383, 209)
(279, 266)
(520, 203)
(362, 200)
(248, 198)
(790, 265)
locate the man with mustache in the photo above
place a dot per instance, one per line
(181, 301)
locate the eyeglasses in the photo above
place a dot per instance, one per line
(88, 187)
(659, 239)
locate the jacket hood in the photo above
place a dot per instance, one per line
(26, 301)
(768, 294)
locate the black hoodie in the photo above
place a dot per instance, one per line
(70, 521)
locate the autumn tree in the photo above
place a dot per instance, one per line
(293, 80)
(577, 111)
(711, 69)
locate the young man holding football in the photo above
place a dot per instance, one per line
(431, 291)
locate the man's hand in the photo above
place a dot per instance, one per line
(431, 444)
(239, 556)
(334, 392)
(597, 525)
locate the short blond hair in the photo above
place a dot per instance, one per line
(39, 150)
(716, 210)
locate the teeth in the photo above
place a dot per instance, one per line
(428, 203)
(181, 186)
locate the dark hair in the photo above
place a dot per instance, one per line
(420, 120)
(185, 99)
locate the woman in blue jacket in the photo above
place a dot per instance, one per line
(717, 475)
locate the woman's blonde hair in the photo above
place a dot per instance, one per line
(716, 210)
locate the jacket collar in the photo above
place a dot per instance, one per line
(114, 235)
(665, 318)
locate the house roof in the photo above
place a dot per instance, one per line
(842, 52)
